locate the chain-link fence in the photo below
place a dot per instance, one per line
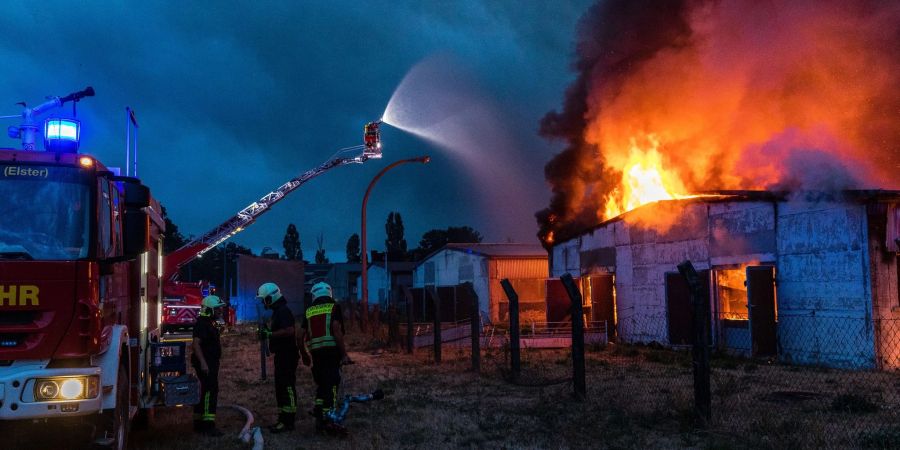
(811, 380)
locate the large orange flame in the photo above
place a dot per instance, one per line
(742, 95)
(644, 180)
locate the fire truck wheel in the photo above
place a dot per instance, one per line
(115, 423)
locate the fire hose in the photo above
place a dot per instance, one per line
(339, 413)
(249, 432)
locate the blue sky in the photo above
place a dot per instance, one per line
(235, 98)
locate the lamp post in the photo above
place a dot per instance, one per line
(365, 272)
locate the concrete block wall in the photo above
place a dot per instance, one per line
(823, 284)
(821, 251)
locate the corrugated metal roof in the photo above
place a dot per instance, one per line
(502, 250)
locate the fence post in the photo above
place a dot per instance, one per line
(410, 339)
(476, 330)
(514, 341)
(700, 304)
(577, 336)
(436, 327)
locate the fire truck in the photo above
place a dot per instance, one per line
(181, 303)
(81, 284)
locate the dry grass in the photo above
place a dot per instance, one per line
(638, 397)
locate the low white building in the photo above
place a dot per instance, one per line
(484, 265)
(807, 278)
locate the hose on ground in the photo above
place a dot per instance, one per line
(249, 432)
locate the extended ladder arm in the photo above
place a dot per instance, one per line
(248, 215)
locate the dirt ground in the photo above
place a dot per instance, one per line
(637, 397)
(427, 405)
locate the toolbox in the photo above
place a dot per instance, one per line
(179, 390)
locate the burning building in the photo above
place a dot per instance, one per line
(792, 108)
(807, 280)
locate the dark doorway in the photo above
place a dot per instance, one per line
(603, 302)
(761, 299)
(679, 312)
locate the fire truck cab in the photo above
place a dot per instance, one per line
(80, 291)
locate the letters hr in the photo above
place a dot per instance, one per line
(26, 293)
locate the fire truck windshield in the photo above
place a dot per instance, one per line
(45, 213)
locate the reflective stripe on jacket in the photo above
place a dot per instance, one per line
(319, 319)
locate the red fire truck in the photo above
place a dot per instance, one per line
(80, 285)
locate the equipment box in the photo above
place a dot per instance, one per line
(180, 390)
(168, 358)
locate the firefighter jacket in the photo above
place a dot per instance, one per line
(317, 321)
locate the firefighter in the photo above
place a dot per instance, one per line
(205, 357)
(283, 343)
(323, 332)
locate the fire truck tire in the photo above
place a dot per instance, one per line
(115, 423)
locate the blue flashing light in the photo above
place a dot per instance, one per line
(62, 135)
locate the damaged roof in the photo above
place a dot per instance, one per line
(859, 195)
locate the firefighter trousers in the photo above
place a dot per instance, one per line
(326, 371)
(205, 411)
(285, 387)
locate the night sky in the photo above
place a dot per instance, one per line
(234, 100)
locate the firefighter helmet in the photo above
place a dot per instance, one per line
(321, 289)
(269, 293)
(209, 303)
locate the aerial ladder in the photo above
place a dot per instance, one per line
(190, 293)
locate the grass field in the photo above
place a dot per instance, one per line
(637, 397)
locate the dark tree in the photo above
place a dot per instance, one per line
(395, 244)
(353, 249)
(174, 239)
(320, 250)
(434, 239)
(291, 243)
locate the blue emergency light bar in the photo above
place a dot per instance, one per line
(62, 135)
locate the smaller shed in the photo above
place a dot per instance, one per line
(484, 265)
(342, 278)
(386, 283)
(253, 271)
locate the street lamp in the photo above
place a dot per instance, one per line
(365, 272)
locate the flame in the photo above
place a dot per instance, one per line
(644, 180)
(727, 95)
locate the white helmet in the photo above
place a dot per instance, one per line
(269, 293)
(209, 303)
(321, 289)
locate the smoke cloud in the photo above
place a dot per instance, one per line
(732, 94)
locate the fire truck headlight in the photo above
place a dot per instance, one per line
(66, 388)
(46, 390)
(72, 388)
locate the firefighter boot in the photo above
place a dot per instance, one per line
(285, 423)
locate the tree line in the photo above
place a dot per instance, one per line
(220, 263)
(395, 246)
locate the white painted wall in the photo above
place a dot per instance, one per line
(447, 265)
(821, 253)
